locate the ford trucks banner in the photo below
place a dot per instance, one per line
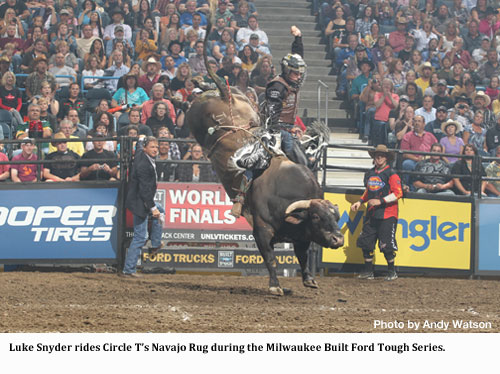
(199, 212)
(430, 234)
(58, 223)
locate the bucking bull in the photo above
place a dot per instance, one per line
(284, 204)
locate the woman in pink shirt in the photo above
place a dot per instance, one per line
(489, 25)
(385, 101)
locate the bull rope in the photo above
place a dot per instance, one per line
(230, 100)
(233, 129)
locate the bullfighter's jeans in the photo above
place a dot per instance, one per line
(140, 238)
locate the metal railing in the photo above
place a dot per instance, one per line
(82, 84)
(124, 159)
(476, 166)
(322, 85)
(55, 76)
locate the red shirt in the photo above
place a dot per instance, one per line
(413, 142)
(383, 184)
(4, 158)
(382, 113)
(147, 84)
(25, 172)
(397, 40)
(462, 56)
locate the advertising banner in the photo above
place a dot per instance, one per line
(199, 212)
(200, 232)
(216, 259)
(430, 234)
(488, 237)
(58, 223)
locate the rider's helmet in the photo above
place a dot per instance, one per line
(293, 63)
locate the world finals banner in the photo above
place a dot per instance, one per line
(201, 233)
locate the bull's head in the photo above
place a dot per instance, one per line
(321, 217)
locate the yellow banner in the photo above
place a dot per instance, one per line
(430, 234)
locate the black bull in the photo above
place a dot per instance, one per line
(284, 204)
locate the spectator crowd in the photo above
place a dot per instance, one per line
(91, 70)
(421, 75)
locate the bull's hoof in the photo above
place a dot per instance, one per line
(311, 283)
(276, 291)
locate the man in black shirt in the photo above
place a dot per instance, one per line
(73, 102)
(104, 170)
(65, 170)
(164, 171)
(434, 127)
(442, 98)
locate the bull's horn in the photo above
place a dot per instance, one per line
(301, 204)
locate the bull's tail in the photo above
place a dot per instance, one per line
(224, 93)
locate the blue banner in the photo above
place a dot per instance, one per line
(488, 258)
(58, 224)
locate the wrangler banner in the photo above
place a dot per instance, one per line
(199, 212)
(59, 223)
(430, 234)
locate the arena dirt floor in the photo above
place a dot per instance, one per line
(101, 302)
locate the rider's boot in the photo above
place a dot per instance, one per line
(239, 200)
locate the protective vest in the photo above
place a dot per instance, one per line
(289, 102)
(379, 184)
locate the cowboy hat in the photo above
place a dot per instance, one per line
(457, 125)
(149, 61)
(38, 59)
(382, 148)
(462, 98)
(425, 65)
(172, 43)
(481, 94)
(366, 61)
